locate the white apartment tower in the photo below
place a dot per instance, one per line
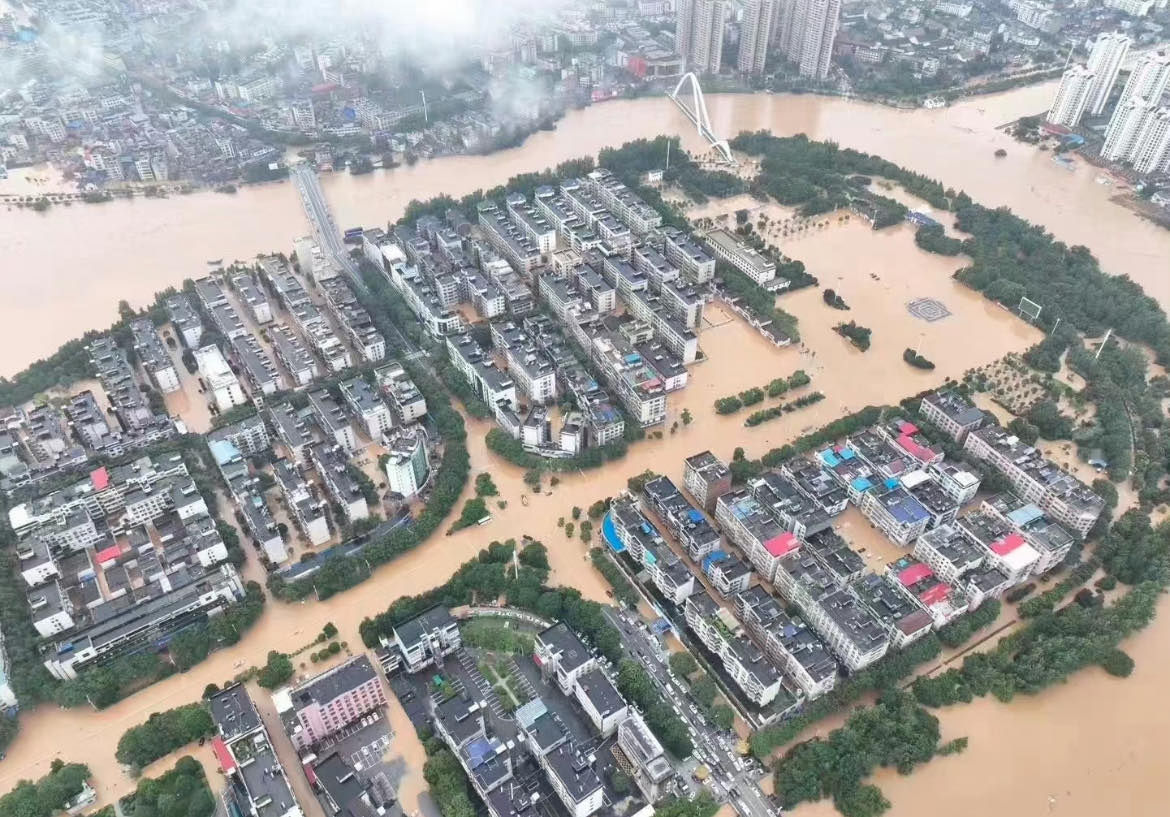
(1125, 129)
(1149, 78)
(1105, 62)
(758, 19)
(699, 33)
(1071, 97)
(805, 31)
(1152, 153)
(1138, 133)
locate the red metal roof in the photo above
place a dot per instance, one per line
(109, 554)
(917, 451)
(226, 762)
(906, 427)
(1007, 544)
(781, 545)
(935, 594)
(100, 479)
(914, 573)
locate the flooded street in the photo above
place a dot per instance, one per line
(1093, 743)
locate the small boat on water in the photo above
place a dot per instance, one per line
(216, 263)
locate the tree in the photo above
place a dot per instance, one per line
(687, 418)
(276, 670)
(1021, 428)
(683, 664)
(1117, 663)
(163, 733)
(484, 486)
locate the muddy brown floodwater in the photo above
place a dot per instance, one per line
(1092, 742)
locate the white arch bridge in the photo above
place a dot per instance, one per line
(697, 113)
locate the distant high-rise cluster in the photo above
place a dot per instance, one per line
(804, 32)
(699, 33)
(1139, 130)
(759, 17)
(1086, 88)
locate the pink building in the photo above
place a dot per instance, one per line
(332, 700)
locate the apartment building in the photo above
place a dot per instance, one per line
(332, 464)
(407, 463)
(726, 247)
(951, 413)
(220, 379)
(600, 701)
(293, 354)
(755, 531)
(560, 655)
(130, 621)
(306, 509)
(185, 319)
(261, 374)
(421, 642)
(727, 573)
(814, 481)
(1038, 480)
(293, 429)
(949, 553)
(243, 750)
(118, 382)
(332, 420)
(406, 400)
(852, 472)
(249, 436)
(252, 297)
(367, 407)
(645, 758)
(899, 613)
(327, 703)
(153, 355)
(640, 217)
(682, 520)
(637, 383)
(706, 478)
(805, 31)
(895, 511)
(695, 264)
(1003, 546)
(508, 239)
(956, 481)
(788, 641)
(915, 579)
(850, 630)
(943, 509)
(1048, 538)
(791, 507)
(529, 365)
(747, 665)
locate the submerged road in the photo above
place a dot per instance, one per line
(328, 238)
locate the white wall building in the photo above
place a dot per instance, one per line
(219, 378)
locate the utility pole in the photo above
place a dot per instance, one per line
(1058, 320)
(668, 144)
(426, 118)
(1101, 348)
